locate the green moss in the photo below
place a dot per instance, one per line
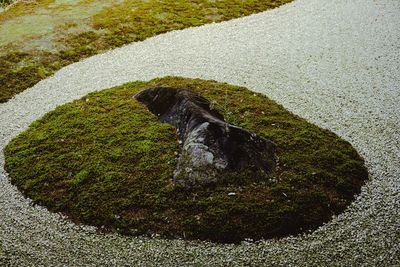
(23, 70)
(137, 20)
(4, 3)
(105, 160)
(67, 31)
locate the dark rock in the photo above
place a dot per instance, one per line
(210, 146)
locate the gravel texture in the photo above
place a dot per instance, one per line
(335, 63)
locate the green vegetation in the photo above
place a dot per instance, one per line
(105, 160)
(4, 3)
(37, 38)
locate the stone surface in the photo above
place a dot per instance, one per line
(211, 147)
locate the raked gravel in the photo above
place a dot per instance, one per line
(335, 63)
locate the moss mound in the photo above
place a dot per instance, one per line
(105, 160)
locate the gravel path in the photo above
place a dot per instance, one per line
(335, 63)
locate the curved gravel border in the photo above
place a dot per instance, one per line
(335, 63)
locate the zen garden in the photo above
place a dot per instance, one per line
(199, 133)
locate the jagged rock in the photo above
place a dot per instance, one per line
(210, 146)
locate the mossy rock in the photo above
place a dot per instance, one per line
(105, 160)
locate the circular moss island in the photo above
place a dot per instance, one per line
(106, 160)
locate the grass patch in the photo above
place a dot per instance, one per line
(51, 34)
(105, 160)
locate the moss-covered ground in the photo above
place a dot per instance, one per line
(39, 37)
(105, 160)
(4, 3)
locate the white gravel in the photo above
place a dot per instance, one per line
(335, 63)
